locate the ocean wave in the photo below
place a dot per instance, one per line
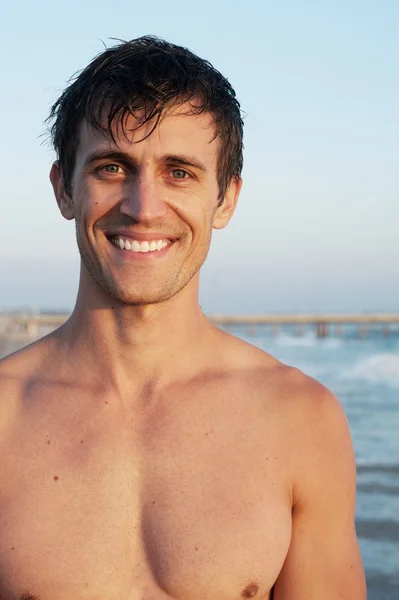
(383, 530)
(332, 342)
(378, 488)
(290, 340)
(308, 340)
(378, 368)
(367, 466)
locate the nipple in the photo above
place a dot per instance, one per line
(250, 591)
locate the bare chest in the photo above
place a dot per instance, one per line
(155, 512)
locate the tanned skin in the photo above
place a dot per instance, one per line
(146, 454)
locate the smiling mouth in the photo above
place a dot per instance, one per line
(132, 245)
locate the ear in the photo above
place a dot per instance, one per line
(225, 211)
(64, 201)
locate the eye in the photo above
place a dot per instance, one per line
(179, 174)
(112, 168)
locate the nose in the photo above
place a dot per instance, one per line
(142, 199)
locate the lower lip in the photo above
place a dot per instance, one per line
(151, 255)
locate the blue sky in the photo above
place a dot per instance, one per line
(317, 223)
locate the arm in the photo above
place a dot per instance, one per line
(323, 561)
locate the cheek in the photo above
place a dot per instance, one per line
(95, 201)
(196, 217)
(196, 207)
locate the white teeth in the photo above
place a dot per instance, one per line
(135, 246)
(145, 247)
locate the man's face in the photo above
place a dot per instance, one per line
(145, 208)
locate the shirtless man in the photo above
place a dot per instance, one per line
(146, 454)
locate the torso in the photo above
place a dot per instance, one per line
(189, 498)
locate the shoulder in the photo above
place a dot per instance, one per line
(288, 385)
(323, 461)
(305, 402)
(18, 369)
(307, 417)
(298, 391)
(291, 388)
(235, 354)
(312, 420)
(18, 361)
(14, 372)
(318, 450)
(13, 379)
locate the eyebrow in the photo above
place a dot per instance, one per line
(184, 159)
(180, 159)
(109, 155)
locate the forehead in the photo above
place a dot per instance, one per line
(178, 132)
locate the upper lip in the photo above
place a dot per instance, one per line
(142, 237)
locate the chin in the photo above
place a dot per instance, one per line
(137, 299)
(139, 295)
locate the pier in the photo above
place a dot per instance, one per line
(322, 324)
(31, 326)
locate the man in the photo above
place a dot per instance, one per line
(147, 454)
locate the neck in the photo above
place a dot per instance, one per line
(125, 346)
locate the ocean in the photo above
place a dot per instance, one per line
(364, 374)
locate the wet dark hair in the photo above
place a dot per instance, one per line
(146, 74)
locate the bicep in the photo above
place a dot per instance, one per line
(323, 561)
(321, 565)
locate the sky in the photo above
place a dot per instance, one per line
(316, 228)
